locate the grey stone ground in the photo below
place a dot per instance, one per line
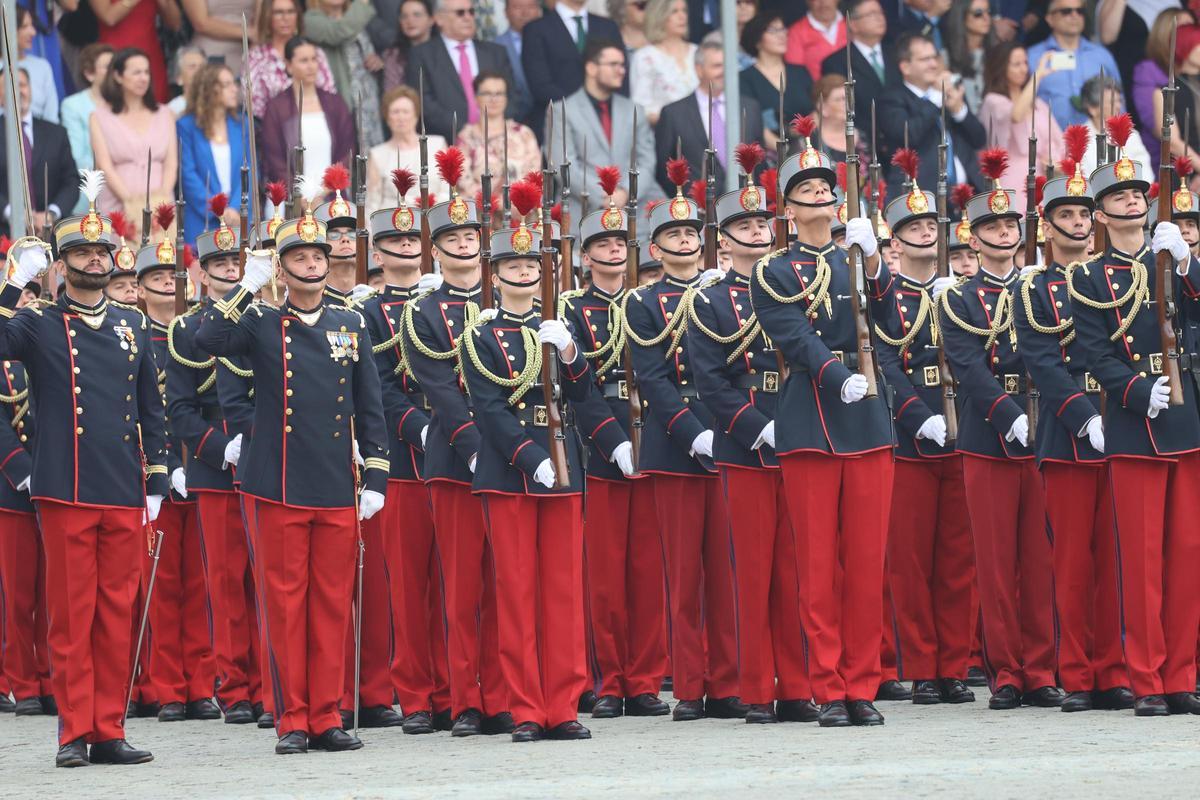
(961, 751)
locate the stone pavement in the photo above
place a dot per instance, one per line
(956, 751)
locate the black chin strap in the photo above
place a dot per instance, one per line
(608, 263)
(296, 277)
(749, 245)
(1071, 236)
(158, 292)
(1004, 248)
(1125, 217)
(456, 257)
(679, 253)
(519, 284)
(830, 202)
(394, 254)
(90, 274)
(913, 245)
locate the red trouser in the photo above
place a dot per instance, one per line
(1158, 547)
(770, 641)
(231, 595)
(375, 683)
(182, 667)
(889, 668)
(270, 677)
(418, 624)
(625, 586)
(1080, 514)
(26, 660)
(931, 568)
(93, 562)
(537, 547)
(306, 557)
(694, 528)
(1013, 564)
(469, 581)
(839, 507)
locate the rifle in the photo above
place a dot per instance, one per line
(146, 208)
(710, 193)
(1164, 265)
(567, 259)
(781, 148)
(181, 275)
(362, 235)
(949, 395)
(558, 440)
(862, 324)
(633, 253)
(298, 154)
(584, 196)
(253, 149)
(505, 201)
(485, 220)
(1032, 395)
(423, 141)
(1099, 231)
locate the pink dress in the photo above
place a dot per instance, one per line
(127, 149)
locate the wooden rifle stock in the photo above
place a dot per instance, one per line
(1164, 265)
(949, 395)
(558, 439)
(862, 323)
(632, 258)
(1032, 395)
(485, 223)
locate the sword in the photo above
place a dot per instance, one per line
(358, 589)
(248, 91)
(10, 78)
(423, 141)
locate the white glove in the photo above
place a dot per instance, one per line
(942, 284)
(1019, 431)
(488, 314)
(933, 429)
(1028, 269)
(471, 463)
(358, 459)
(23, 486)
(861, 231)
(153, 506)
(179, 482)
(623, 458)
(260, 266)
(233, 450)
(1167, 237)
(1160, 397)
(855, 387)
(31, 262)
(361, 292)
(1095, 433)
(553, 331)
(713, 274)
(369, 503)
(702, 444)
(544, 474)
(424, 433)
(766, 436)
(429, 283)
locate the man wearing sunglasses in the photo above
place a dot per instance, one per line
(1067, 20)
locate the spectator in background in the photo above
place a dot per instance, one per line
(188, 61)
(969, 38)
(451, 59)
(46, 42)
(1067, 19)
(326, 122)
(815, 36)
(339, 26)
(829, 97)
(765, 37)
(923, 17)
(552, 53)
(129, 125)
(630, 15)
(523, 154)
(1011, 112)
(401, 111)
(1101, 99)
(133, 23)
(41, 76)
(416, 26)
(1184, 138)
(278, 22)
(684, 123)
(1150, 74)
(218, 28)
(1123, 26)
(664, 70)
(874, 64)
(519, 13)
(77, 109)
(211, 137)
(746, 11)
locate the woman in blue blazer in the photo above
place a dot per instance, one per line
(212, 140)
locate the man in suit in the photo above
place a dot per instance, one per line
(915, 106)
(519, 13)
(686, 121)
(874, 64)
(603, 120)
(923, 17)
(49, 165)
(554, 51)
(450, 61)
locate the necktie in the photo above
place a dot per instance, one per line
(718, 128)
(606, 120)
(876, 63)
(580, 33)
(466, 78)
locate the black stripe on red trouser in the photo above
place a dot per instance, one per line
(26, 657)
(375, 680)
(306, 560)
(695, 543)
(1079, 511)
(469, 583)
(236, 644)
(839, 507)
(92, 572)
(770, 641)
(1158, 546)
(625, 586)
(418, 669)
(537, 544)
(931, 568)
(1013, 565)
(182, 667)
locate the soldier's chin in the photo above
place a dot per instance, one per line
(87, 281)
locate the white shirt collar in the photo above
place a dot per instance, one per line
(932, 95)
(867, 51)
(569, 14)
(829, 32)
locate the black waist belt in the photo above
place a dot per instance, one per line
(615, 390)
(212, 414)
(1013, 382)
(850, 360)
(1087, 382)
(768, 381)
(926, 376)
(419, 400)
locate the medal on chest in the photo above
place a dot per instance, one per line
(125, 337)
(342, 344)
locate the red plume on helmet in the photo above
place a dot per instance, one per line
(1183, 167)
(336, 178)
(841, 175)
(404, 181)
(678, 172)
(993, 163)
(697, 191)
(556, 213)
(749, 155)
(653, 204)
(189, 255)
(804, 125)
(524, 197)
(768, 181)
(1067, 166)
(961, 194)
(277, 191)
(120, 225)
(534, 178)
(908, 162)
(1153, 192)
(1119, 127)
(609, 177)
(217, 204)
(164, 214)
(1075, 141)
(1039, 186)
(492, 208)
(450, 165)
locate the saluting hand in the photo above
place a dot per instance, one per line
(31, 262)
(260, 266)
